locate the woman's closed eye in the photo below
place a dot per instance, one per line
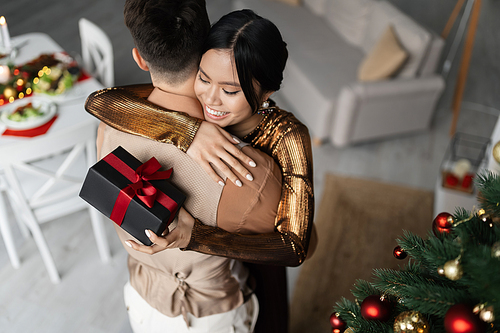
(206, 81)
(202, 80)
(230, 92)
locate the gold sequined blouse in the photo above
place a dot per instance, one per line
(279, 134)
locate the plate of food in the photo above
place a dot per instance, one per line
(57, 74)
(27, 113)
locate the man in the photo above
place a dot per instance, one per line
(169, 288)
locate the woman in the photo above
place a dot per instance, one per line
(241, 67)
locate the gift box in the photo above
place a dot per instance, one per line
(134, 195)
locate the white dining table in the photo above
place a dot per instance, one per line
(72, 118)
(71, 112)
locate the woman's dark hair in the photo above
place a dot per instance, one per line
(259, 51)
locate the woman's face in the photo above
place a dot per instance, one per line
(218, 89)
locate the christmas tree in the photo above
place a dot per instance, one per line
(451, 282)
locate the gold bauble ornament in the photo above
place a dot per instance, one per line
(440, 270)
(411, 322)
(487, 314)
(9, 92)
(477, 308)
(453, 270)
(496, 152)
(495, 250)
(349, 330)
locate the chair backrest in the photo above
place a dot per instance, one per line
(97, 52)
(54, 174)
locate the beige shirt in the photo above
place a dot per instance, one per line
(176, 282)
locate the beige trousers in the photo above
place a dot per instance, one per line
(146, 319)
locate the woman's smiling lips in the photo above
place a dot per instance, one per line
(215, 114)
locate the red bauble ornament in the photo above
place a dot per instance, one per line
(460, 318)
(442, 223)
(338, 324)
(373, 308)
(399, 253)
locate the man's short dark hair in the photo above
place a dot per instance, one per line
(169, 34)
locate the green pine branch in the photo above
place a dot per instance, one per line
(351, 314)
(363, 289)
(419, 292)
(418, 285)
(488, 184)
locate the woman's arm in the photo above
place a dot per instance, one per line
(126, 109)
(288, 142)
(117, 107)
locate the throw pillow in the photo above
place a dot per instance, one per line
(384, 59)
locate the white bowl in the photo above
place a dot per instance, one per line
(48, 108)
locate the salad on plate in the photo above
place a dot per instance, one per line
(27, 113)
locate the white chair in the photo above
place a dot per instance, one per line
(97, 52)
(5, 229)
(43, 182)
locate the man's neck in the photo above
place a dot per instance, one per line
(177, 98)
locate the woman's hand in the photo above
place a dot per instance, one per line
(178, 238)
(212, 144)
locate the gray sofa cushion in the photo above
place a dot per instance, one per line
(349, 18)
(414, 38)
(316, 6)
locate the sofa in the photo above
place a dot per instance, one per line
(333, 45)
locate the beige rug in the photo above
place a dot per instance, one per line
(357, 223)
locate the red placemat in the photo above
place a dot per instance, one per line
(29, 133)
(83, 75)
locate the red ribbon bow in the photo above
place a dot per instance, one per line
(140, 186)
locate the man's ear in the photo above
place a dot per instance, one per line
(139, 60)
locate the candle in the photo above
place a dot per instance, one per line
(4, 74)
(5, 33)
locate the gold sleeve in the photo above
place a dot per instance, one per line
(288, 142)
(127, 110)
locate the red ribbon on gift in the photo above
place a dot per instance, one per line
(140, 186)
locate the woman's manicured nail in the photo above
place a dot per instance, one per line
(147, 233)
(238, 183)
(221, 183)
(128, 243)
(249, 177)
(236, 140)
(252, 164)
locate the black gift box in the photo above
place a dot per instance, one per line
(104, 183)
